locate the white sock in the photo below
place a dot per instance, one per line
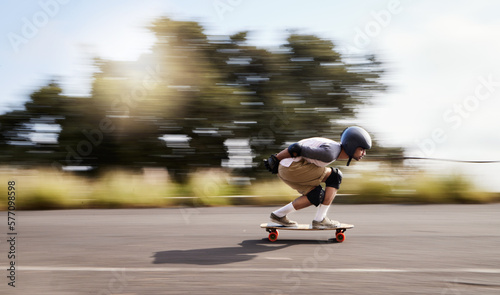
(321, 213)
(284, 210)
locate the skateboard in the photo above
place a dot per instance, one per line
(272, 229)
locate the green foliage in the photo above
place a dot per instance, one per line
(414, 188)
(177, 106)
(47, 189)
(447, 189)
(209, 187)
(119, 189)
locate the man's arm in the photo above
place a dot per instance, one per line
(325, 152)
(273, 162)
(283, 154)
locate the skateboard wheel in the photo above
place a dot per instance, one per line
(273, 236)
(340, 237)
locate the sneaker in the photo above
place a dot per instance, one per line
(325, 223)
(282, 220)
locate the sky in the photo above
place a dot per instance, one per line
(443, 69)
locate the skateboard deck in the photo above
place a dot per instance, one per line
(272, 228)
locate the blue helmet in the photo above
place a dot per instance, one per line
(354, 137)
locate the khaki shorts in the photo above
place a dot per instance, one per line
(302, 175)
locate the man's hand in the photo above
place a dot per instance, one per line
(272, 164)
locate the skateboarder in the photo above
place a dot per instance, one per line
(302, 166)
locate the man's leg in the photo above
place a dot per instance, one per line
(320, 220)
(279, 216)
(297, 204)
(301, 203)
(303, 177)
(330, 193)
(304, 202)
(285, 210)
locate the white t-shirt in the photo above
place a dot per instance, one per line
(317, 150)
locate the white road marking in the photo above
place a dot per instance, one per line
(278, 258)
(239, 269)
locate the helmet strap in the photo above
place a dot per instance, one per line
(349, 161)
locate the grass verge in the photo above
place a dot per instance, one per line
(47, 189)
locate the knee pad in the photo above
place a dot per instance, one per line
(335, 178)
(316, 196)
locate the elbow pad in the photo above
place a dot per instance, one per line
(295, 149)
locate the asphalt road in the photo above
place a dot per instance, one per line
(393, 249)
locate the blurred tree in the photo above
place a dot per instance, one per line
(29, 136)
(193, 98)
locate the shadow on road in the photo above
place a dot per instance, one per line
(246, 250)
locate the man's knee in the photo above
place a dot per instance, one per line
(335, 178)
(316, 196)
